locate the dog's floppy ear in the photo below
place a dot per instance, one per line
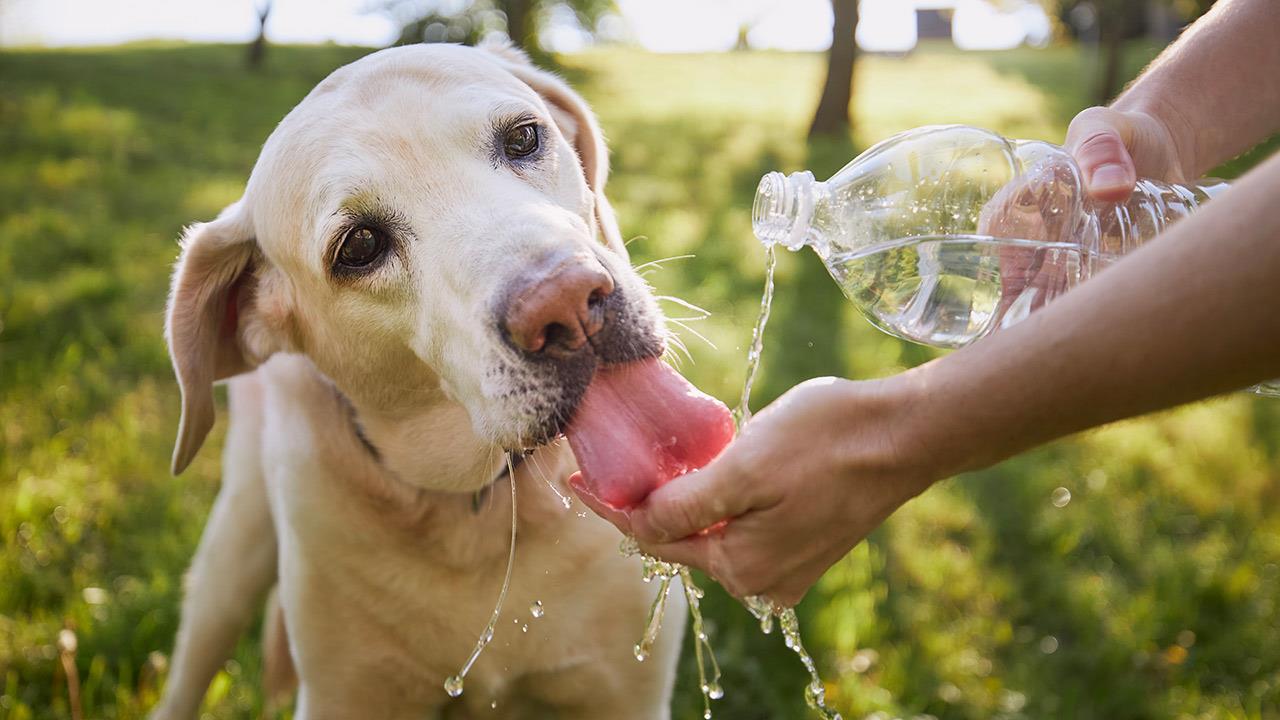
(214, 283)
(577, 123)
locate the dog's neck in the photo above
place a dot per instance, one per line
(431, 448)
(512, 459)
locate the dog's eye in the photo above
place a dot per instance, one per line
(520, 142)
(361, 246)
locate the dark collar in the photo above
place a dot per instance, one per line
(514, 457)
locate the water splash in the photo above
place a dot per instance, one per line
(742, 413)
(664, 572)
(765, 610)
(453, 685)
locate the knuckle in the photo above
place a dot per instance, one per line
(1103, 143)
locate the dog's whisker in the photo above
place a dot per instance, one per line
(661, 261)
(695, 333)
(684, 304)
(676, 351)
(626, 243)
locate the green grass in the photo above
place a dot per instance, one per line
(1154, 593)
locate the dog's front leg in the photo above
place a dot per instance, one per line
(233, 568)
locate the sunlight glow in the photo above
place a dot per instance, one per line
(657, 25)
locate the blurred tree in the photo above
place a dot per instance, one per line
(1110, 23)
(468, 21)
(832, 115)
(258, 48)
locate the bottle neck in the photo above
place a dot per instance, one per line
(783, 209)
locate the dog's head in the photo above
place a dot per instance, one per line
(429, 226)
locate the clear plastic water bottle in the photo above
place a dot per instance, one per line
(944, 234)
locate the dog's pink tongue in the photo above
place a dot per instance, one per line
(640, 425)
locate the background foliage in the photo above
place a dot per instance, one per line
(1152, 593)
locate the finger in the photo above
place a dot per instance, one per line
(693, 551)
(598, 506)
(690, 503)
(1097, 140)
(785, 595)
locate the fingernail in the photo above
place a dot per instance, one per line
(1109, 176)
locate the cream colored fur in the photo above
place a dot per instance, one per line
(385, 573)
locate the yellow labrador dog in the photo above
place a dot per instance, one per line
(421, 278)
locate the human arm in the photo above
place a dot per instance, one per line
(1190, 316)
(1208, 97)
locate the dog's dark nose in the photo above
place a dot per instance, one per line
(556, 311)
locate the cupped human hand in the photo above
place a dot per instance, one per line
(807, 479)
(1115, 147)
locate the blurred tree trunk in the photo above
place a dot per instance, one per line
(519, 27)
(1110, 45)
(832, 115)
(258, 48)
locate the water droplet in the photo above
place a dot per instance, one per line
(536, 609)
(1048, 644)
(706, 714)
(1060, 497)
(493, 705)
(568, 503)
(639, 652)
(713, 690)
(524, 628)
(453, 685)
(487, 636)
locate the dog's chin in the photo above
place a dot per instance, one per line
(558, 406)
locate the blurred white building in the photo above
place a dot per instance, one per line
(896, 26)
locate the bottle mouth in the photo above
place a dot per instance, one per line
(773, 210)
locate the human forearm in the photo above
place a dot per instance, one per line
(1215, 88)
(1192, 314)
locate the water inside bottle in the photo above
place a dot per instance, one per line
(949, 290)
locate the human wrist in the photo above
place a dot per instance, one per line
(914, 447)
(1166, 125)
(947, 423)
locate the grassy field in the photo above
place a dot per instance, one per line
(1155, 592)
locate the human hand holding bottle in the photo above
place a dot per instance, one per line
(1112, 148)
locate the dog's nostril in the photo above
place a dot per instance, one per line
(559, 310)
(557, 336)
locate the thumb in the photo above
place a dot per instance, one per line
(617, 517)
(1097, 139)
(688, 504)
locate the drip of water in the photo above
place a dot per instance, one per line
(454, 685)
(536, 609)
(742, 413)
(564, 499)
(664, 572)
(765, 610)
(711, 689)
